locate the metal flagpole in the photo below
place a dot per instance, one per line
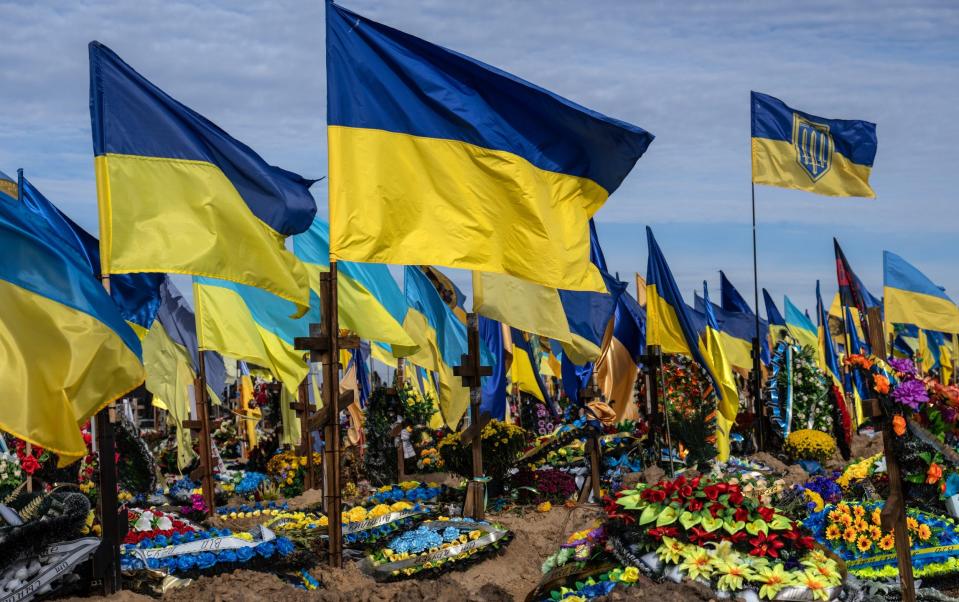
(757, 376)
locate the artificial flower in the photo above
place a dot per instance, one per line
(697, 563)
(774, 579)
(933, 474)
(899, 425)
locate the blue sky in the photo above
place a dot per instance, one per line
(681, 70)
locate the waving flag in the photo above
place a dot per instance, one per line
(618, 367)
(67, 352)
(912, 298)
(177, 194)
(776, 321)
(793, 149)
(371, 304)
(436, 158)
(800, 326)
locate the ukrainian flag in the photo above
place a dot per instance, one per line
(441, 338)
(618, 366)
(577, 319)
(8, 186)
(494, 386)
(911, 298)
(736, 332)
(67, 351)
(732, 302)
(436, 158)
(670, 323)
(371, 303)
(137, 295)
(800, 326)
(793, 149)
(251, 324)
(177, 194)
(524, 372)
(829, 359)
(775, 319)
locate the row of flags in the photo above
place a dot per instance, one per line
(435, 159)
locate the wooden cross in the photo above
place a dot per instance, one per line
(304, 409)
(893, 515)
(324, 344)
(471, 370)
(592, 443)
(203, 425)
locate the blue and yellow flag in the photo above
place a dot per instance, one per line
(436, 158)
(800, 326)
(777, 323)
(494, 386)
(524, 371)
(67, 352)
(577, 319)
(136, 295)
(441, 339)
(371, 303)
(728, 406)
(734, 303)
(736, 331)
(177, 194)
(617, 366)
(793, 149)
(8, 186)
(912, 298)
(830, 361)
(251, 324)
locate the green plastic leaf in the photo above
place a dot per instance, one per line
(667, 517)
(757, 526)
(631, 502)
(733, 526)
(689, 520)
(711, 524)
(780, 523)
(649, 514)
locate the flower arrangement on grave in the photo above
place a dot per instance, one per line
(706, 529)
(853, 531)
(289, 471)
(197, 509)
(543, 485)
(153, 524)
(502, 445)
(407, 491)
(435, 547)
(811, 445)
(812, 400)
(230, 551)
(227, 439)
(692, 410)
(11, 474)
(382, 410)
(429, 460)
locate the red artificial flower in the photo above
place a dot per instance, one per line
(716, 508)
(766, 545)
(657, 533)
(29, 464)
(653, 495)
(700, 536)
(695, 482)
(741, 515)
(87, 438)
(766, 513)
(685, 491)
(694, 505)
(712, 492)
(738, 537)
(736, 498)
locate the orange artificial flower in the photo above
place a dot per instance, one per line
(880, 383)
(933, 474)
(899, 425)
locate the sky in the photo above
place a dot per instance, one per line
(681, 70)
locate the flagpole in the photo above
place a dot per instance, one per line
(756, 384)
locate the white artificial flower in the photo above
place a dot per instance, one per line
(164, 523)
(142, 524)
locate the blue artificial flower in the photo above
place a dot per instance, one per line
(185, 562)
(244, 554)
(266, 549)
(205, 560)
(160, 541)
(146, 542)
(284, 546)
(226, 556)
(176, 538)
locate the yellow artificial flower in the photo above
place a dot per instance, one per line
(875, 533)
(774, 578)
(670, 550)
(859, 511)
(887, 543)
(815, 584)
(698, 563)
(732, 575)
(833, 532)
(630, 575)
(924, 532)
(911, 523)
(863, 544)
(849, 534)
(861, 525)
(877, 516)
